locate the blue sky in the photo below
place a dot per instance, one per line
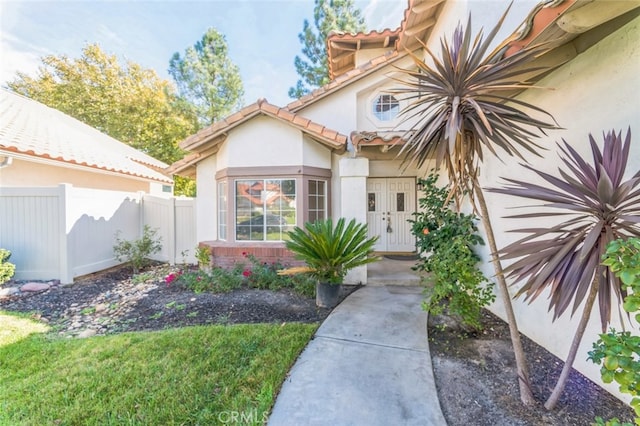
(262, 34)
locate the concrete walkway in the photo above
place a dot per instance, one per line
(368, 364)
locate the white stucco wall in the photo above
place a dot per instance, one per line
(263, 141)
(597, 91)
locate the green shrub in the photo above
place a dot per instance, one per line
(445, 240)
(7, 269)
(203, 255)
(619, 351)
(136, 253)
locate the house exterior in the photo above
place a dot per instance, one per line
(333, 153)
(43, 147)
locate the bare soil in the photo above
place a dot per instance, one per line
(475, 376)
(474, 372)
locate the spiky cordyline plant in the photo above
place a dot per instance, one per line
(463, 105)
(565, 258)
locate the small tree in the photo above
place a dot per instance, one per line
(136, 253)
(463, 105)
(565, 258)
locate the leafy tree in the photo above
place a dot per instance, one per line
(207, 79)
(565, 258)
(459, 106)
(129, 103)
(328, 15)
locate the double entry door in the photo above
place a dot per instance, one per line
(390, 204)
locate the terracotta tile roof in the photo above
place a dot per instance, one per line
(218, 130)
(385, 140)
(417, 23)
(342, 47)
(344, 80)
(564, 28)
(204, 142)
(32, 129)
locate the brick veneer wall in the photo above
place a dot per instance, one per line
(226, 254)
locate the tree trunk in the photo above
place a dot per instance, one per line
(577, 338)
(526, 396)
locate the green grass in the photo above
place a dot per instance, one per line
(196, 375)
(16, 327)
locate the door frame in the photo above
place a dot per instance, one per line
(397, 237)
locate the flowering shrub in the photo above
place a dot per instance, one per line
(172, 277)
(256, 274)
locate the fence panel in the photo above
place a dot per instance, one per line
(174, 220)
(185, 225)
(31, 226)
(94, 218)
(63, 232)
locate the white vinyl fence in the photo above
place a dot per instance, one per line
(63, 232)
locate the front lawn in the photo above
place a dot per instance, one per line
(195, 375)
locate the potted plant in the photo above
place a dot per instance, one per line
(330, 252)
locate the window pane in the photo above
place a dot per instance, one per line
(371, 200)
(265, 209)
(400, 202)
(222, 210)
(317, 200)
(386, 107)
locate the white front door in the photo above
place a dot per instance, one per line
(390, 204)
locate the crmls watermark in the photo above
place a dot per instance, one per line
(242, 417)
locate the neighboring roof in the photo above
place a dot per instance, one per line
(35, 130)
(205, 142)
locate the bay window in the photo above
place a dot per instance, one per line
(265, 209)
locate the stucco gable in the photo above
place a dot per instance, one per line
(207, 141)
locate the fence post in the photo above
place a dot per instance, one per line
(66, 275)
(172, 231)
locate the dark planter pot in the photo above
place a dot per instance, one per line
(327, 294)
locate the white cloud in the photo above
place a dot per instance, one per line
(108, 37)
(382, 14)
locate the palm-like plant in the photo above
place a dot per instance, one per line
(330, 252)
(462, 105)
(566, 258)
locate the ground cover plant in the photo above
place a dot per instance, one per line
(191, 375)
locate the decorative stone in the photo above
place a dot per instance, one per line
(8, 291)
(86, 333)
(100, 307)
(33, 287)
